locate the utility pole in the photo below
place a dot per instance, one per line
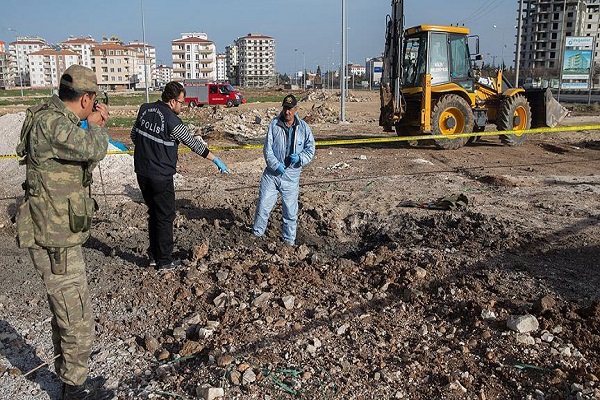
(145, 61)
(343, 66)
(519, 32)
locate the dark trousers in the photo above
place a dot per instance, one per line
(159, 196)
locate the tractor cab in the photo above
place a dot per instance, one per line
(440, 51)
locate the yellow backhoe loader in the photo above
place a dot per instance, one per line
(433, 87)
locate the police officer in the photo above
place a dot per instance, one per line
(55, 217)
(289, 146)
(156, 134)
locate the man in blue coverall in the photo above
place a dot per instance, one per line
(289, 146)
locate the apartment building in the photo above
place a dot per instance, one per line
(194, 57)
(373, 70)
(114, 65)
(164, 75)
(82, 46)
(231, 63)
(356, 69)
(4, 66)
(545, 25)
(221, 67)
(47, 65)
(145, 65)
(256, 60)
(19, 51)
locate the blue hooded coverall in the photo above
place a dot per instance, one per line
(280, 142)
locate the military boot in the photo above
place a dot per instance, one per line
(83, 392)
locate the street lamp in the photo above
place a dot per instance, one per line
(295, 68)
(503, 45)
(145, 62)
(18, 62)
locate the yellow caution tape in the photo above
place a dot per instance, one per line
(387, 139)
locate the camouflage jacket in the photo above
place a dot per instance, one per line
(59, 155)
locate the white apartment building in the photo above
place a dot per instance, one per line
(221, 67)
(545, 25)
(373, 70)
(114, 65)
(194, 57)
(82, 46)
(256, 60)
(4, 66)
(145, 67)
(231, 63)
(164, 75)
(19, 57)
(356, 69)
(47, 65)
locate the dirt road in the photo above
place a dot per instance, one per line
(377, 301)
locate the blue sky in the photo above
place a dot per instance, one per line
(307, 36)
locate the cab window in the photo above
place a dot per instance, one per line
(438, 59)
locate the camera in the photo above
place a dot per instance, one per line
(102, 99)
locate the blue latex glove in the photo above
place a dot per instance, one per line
(221, 165)
(84, 124)
(294, 158)
(280, 169)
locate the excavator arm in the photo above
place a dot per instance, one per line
(392, 78)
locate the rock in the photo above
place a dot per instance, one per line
(210, 393)
(261, 299)
(523, 323)
(288, 302)
(544, 304)
(342, 329)
(150, 343)
(234, 377)
(179, 333)
(248, 377)
(224, 360)
(199, 251)
(222, 275)
(163, 355)
(190, 348)
(525, 338)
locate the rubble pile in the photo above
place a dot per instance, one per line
(498, 300)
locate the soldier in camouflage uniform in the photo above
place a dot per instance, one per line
(56, 214)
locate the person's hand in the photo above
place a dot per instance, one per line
(100, 116)
(294, 158)
(280, 169)
(221, 165)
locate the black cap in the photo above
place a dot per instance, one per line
(289, 101)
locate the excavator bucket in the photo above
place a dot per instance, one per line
(545, 110)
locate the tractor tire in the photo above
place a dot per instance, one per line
(407, 130)
(451, 115)
(515, 114)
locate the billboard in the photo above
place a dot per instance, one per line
(578, 60)
(577, 64)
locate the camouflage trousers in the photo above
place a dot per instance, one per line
(72, 320)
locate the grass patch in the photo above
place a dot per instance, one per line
(266, 98)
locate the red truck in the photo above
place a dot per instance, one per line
(199, 93)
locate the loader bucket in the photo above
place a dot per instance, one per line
(545, 110)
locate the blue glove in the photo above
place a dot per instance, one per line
(280, 169)
(294, 158)
(84, 124)
(221, 165)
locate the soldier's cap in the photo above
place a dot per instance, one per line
(79, 78)
(289, 101)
